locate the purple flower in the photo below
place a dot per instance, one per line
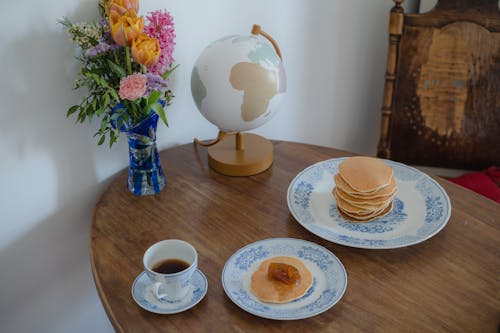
(104, 23)
(155, 83)
(98, 49)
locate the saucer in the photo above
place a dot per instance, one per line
(143, 294)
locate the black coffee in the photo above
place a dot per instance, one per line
(170, 266)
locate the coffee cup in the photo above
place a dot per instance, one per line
(170, 265)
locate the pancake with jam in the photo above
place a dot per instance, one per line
(281, 280)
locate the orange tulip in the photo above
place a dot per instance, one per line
(120, 6)
(146, 50)
(125, 28)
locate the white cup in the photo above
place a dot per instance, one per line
(172, 286)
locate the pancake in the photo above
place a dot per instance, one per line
(270, 290)
(365, 174)
(347, 207)
(388, 190)
(359, 218)
(360, 200)
(361, 205)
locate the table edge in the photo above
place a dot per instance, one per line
(105, 302)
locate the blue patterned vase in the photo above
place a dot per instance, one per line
(145, 175)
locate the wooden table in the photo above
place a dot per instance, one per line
(449, 283)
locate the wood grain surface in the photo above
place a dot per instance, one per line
(449, 283)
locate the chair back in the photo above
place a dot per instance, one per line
(441, 104)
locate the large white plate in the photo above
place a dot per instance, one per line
(329, 278)
(421, 208)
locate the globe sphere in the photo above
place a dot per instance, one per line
(238, 82)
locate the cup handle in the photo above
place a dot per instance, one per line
(157, 286)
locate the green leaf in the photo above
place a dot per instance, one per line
(114, 94)
(115, 116)
(153, 97)
(89, 111)
(117, 69)
(126, 119)
(112, 138)
(104, 123)
(120, 122)
(167, 73)
(160, 111)
(72, 110)
(106, 101)
(104, 105)
(81, 116)
(101, 140)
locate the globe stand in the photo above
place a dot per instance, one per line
(240, 154)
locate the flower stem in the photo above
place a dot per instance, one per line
(127, 58)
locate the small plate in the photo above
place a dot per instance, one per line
(420, 210)
(143, 294)
(329, 278)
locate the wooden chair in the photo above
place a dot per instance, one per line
(441, 104)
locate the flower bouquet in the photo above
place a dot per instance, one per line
(126, 61)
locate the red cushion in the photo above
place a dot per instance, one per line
(494, 174)
(484, 183)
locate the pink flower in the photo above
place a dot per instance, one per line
(133, 86)
(160, 25)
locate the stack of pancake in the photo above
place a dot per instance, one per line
(365, 188)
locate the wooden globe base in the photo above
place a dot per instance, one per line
(241, 154)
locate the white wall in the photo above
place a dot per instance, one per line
(52, 172)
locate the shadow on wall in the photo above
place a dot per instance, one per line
(48, 281)
(45, 277)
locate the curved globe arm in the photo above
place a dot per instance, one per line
(219, 138)
(256, 30)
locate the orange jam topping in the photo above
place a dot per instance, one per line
(285, 273)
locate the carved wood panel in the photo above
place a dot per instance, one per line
(446, 102)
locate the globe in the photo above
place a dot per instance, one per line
(238, 82)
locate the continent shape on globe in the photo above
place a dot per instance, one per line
(256, 97)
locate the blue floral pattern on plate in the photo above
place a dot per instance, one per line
(421, 208)
(329, 278)
(143, 294)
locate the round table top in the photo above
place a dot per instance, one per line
(449, 282)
